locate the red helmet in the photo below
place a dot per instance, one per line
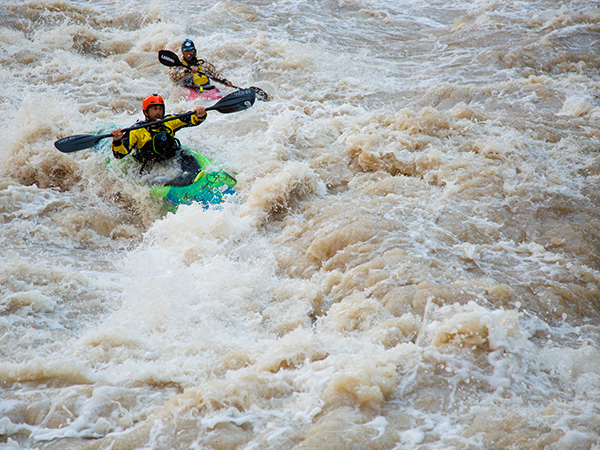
(152, 100)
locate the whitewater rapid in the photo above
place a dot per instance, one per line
(411, 260)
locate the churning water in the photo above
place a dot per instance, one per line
(412, 260)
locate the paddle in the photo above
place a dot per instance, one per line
(170, 59)
(234, 102)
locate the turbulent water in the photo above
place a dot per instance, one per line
(412, 259)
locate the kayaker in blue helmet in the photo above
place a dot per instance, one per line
(195, 72)
(156, 142)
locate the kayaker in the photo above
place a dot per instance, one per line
(157, 142)
(194, 74)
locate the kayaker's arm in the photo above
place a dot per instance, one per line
(177, 73)
(211, 71)
(117, 146)
(192, 120)
(121, 145)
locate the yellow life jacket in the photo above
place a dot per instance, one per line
(199, 79)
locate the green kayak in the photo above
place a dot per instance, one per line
(198, 182)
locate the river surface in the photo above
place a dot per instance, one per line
(412, 259)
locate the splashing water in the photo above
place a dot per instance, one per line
(411, 260)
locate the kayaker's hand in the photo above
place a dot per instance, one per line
(200, 112)
(228, 83)
(193, 69)
(117, 134)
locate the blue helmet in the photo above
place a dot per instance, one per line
(188, 45)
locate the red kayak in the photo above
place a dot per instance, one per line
(206, 93)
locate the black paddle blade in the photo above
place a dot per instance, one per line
(168, 58)
(260, 94)
(78, 142)
(234, 102)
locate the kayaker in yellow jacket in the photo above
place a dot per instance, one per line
(157, 142)
(195, 72)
